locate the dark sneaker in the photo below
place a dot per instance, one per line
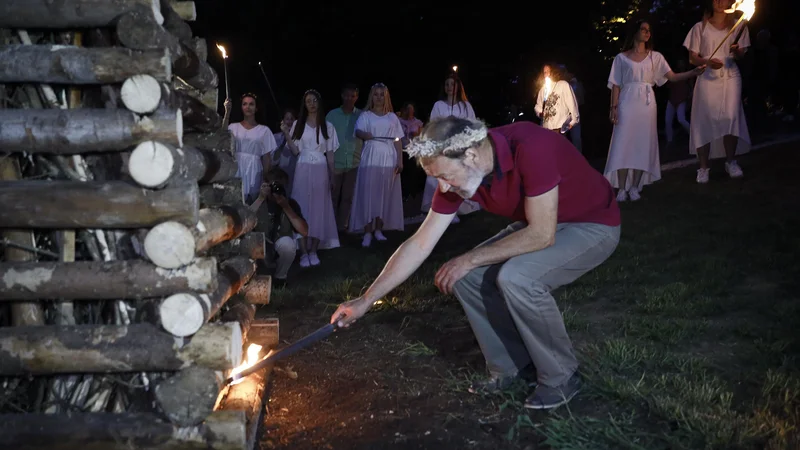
(546, 397)
(493, 384)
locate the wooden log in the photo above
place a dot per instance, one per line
(188, 397)
(241, 312)
(253, 245)
(101, 280)
(175, 24)
(66, 64)
(200, 47)
(195, 113)
(141, 347)
(218, 141)
(93, 204)
(221, 194)
(30, 313)
(264, 332)
(184, 313)
(173, 244)
(223, 430)
(74, 131)
(155, 165)
(186, 10)
(257, 291)
(70, 14)
(141, 94)
(137, 30)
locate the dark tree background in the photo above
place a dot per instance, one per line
(411, 46)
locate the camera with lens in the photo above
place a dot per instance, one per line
(277, 189)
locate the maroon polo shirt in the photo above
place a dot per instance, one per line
(529, 161)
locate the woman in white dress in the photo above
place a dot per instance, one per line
(378, 198)
(718, 127)
(253, 145)
(556, 104)
(313, 140)
(452, 102)
(633, 157)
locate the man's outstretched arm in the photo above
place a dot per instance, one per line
(403, 263)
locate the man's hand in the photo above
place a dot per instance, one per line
(285, 128)
(228, 104)
(398, 168)
(282, 201)
(348, 312)
(452, 271)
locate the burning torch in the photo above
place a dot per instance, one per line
(225, 64)
(748, 8)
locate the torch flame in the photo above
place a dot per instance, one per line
(252, 357)
(747, 7)
(222, 50)
(548, 87)
(455, 68)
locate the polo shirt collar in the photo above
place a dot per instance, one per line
(503, 160)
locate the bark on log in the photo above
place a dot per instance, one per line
(186, 10)
(155, 165)
(174, 23)
(200, 46)
(188, 397)
(258, 290)
(74, 131)
(101, 280)
(264, 332)
(183, 314)
(222, 194)
(218, 141)
(141, 94)
(75, 204)
(30, 313)
(223, 430)
(137, 30)
(70, 14)
(66, 64)
(241, 312)
(172, 244)
(253, 245)
(141, 347)
(195, 113)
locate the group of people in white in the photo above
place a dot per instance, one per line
(344, 167)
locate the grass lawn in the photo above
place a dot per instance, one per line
(688, 335)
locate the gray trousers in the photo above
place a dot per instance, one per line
(515, 319)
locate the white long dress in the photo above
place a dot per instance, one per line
(251, 145)
(311, 188)
(717, 102)
(634, 142)
(442, 109)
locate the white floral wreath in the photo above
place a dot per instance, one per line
(424, 147)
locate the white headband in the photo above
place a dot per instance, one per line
(424, 147)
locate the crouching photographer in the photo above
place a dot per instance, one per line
(279, 218)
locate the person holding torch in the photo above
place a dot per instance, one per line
(718, 127)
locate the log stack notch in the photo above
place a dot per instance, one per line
(128, 284)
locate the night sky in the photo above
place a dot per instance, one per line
(412, 46)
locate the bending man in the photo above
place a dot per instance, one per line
(567, 223)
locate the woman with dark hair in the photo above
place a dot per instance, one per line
(313, 140)
(253, 145)
(633, 156)
(452, 102)
(718, 128)
(556, 104)
(282, 156)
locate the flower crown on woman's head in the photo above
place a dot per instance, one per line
(379, 85)
(423, 146)
(249, 94)
(312, 91)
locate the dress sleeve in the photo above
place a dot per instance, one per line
(332, 144)
(660, 68)
(362, 123)
(435, 113)
(744, 41)
(397, 128)
(694, 39)
(615, 77)
(269, 143)
(470, 111)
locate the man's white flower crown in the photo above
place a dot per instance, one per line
(423, 147)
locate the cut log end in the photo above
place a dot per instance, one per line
(170, 245)
(188, 397)
(183, 314)
(141, 94)
(151, 164)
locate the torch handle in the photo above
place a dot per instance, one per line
(726, 37)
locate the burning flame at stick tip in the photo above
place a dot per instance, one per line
(224, 53)
(455, 68)
(747, 7)
(252, 357)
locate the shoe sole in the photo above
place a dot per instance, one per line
(563, 401)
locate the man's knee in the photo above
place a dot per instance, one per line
(473, 284)
(285, 247)
(513, 278)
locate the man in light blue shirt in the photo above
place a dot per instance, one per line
(347, 155)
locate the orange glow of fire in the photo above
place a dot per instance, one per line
(747, 7)
(224, 53)
(253, 352)
(548, 87)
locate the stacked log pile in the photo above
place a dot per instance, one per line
(127, 283)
